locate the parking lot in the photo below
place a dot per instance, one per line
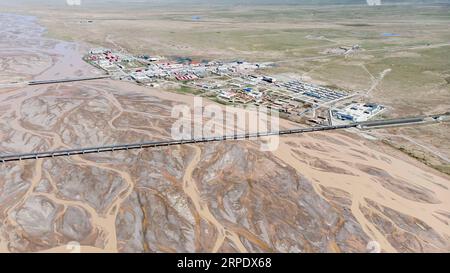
(317, 93)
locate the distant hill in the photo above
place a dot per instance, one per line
(213, 2)
(307, 2)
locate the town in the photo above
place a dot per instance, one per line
(238, 83)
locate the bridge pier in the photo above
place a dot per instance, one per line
(360, 125)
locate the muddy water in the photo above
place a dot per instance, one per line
(191, 190)
(46, 59)
(50, 59)
(25, 51)
(361, 185)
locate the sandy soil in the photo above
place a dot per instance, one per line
(327, 192)
(407, 73)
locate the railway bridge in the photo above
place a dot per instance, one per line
(164, 143)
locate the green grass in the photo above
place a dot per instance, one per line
(444, 168)
(187, 90)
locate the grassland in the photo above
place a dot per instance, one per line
(295, 37)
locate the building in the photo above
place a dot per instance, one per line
(269, 79)
(344, 116)
(358, 112)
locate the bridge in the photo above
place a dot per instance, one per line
(67, 80)
(165, 143)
